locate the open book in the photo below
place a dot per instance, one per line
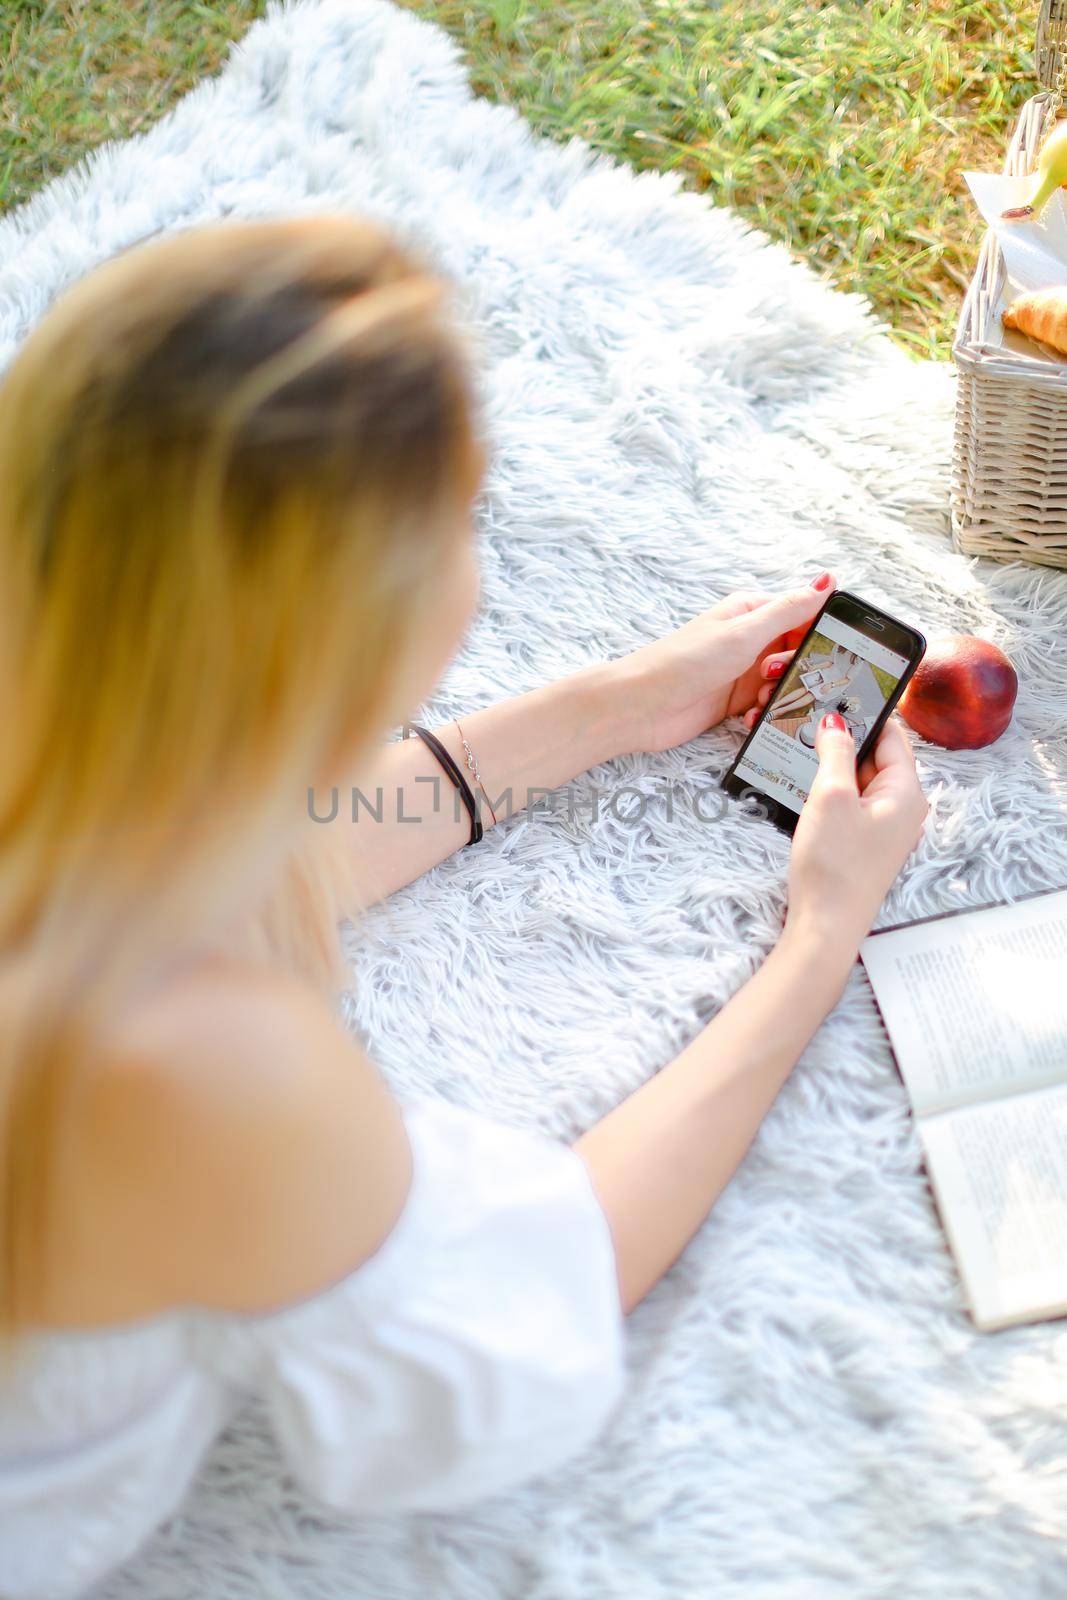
(975, 1004)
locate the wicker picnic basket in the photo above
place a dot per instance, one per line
(1009, 493)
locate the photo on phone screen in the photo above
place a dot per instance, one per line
(855, 660)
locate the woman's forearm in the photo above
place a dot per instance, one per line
(405, 818)
(660, 1160)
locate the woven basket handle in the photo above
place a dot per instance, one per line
(1052, 57)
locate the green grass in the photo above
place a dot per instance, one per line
(76, 72)
(839, 127)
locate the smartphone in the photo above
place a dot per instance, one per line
(855, 660)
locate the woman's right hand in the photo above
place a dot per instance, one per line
(662, 1157)
(854, 834)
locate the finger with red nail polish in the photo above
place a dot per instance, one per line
(774, 666)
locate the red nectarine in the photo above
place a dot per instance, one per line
(962, 694)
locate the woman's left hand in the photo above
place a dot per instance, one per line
(709, 669)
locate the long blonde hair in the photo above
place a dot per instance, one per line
(230, 469)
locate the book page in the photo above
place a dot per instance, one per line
(975, 1004)
(999, 1172)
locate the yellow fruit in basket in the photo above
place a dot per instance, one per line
(1051, 174)
(1042, 314)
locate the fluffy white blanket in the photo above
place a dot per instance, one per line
(677, 409)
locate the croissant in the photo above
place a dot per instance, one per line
(1043, 315)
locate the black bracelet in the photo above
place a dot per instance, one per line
(433, 743)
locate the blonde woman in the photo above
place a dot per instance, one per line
(236, 549)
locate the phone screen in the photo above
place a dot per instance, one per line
(838, 668)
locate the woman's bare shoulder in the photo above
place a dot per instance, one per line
(232, 1148)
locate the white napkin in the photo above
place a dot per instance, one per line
(1035, 253)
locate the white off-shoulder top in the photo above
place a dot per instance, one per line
(481, 1345)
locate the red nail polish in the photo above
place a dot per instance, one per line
(822, 581)
(774, 669)
(834, 722)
